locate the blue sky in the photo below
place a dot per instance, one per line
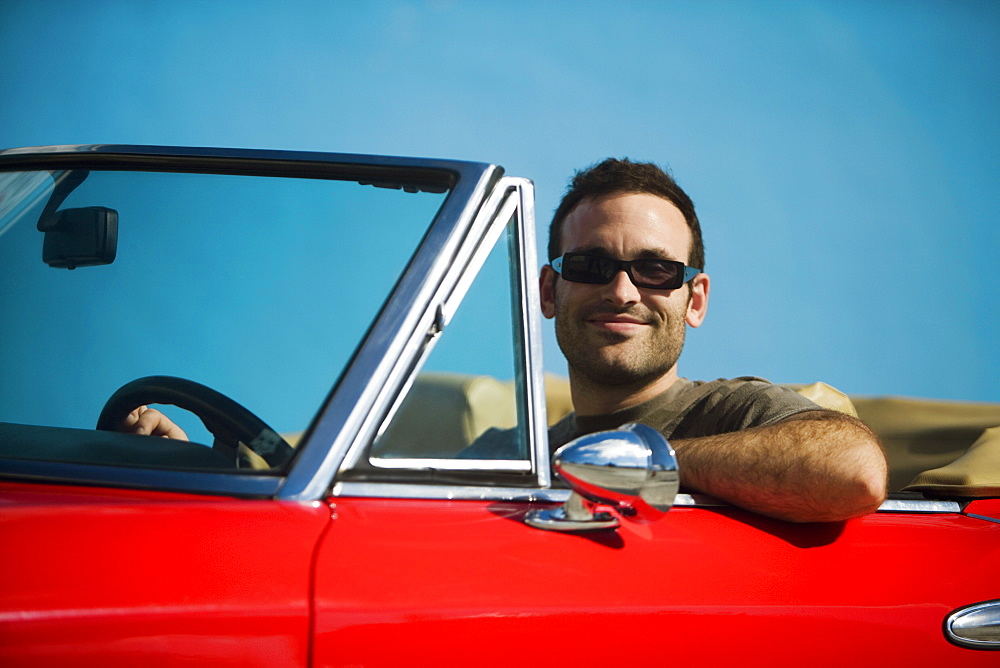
(842, 155)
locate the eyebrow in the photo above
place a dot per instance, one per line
(644, 254)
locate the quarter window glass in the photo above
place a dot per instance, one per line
(466, 391)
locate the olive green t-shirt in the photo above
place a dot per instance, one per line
(693, 408)
(689, 409)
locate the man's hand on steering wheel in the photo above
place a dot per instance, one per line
(151, 422)
(231, 424)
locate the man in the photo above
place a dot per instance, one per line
(624, 282)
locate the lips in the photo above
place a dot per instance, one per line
(619, 318)
(616, 321)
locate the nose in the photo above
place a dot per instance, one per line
(621, 291)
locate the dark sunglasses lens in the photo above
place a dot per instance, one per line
(651, 273)
(587, 269)
(656, 273)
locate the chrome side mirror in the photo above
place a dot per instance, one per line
(632, 470)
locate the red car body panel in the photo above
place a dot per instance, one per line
(717, 586)
(162, 578)
(99, 577)
(984, 508)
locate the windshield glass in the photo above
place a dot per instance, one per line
(257, 287)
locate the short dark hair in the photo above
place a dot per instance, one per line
(624, 176)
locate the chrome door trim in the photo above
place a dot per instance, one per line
(919, 506)
(482, 492)
(384, 490)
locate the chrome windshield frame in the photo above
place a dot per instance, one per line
(467, 185)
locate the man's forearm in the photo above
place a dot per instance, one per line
(817, 466)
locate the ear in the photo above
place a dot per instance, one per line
(698, 303)
(547, 291)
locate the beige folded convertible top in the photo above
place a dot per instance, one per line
(939, 448)
(942, 448)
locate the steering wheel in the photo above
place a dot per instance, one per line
(228, 421)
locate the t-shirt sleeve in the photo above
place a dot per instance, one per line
(741, 403)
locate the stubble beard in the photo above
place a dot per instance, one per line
(612, 359)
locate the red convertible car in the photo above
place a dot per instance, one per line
(332, 331)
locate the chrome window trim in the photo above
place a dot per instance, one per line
(407, 323)
(428, 464)
(443, 315)
(530, 313)
(383, 490)
(393, 372)
(503, 208)
(424, 339)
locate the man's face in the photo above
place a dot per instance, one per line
(619, 334)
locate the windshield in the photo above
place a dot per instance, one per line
(257, 287)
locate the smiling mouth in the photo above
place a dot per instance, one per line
(617, 319)
(616, 322)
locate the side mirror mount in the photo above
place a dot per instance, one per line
(633, 470)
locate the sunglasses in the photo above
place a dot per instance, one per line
(651, 273)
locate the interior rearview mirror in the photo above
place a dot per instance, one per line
(80, 237)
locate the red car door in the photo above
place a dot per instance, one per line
(104, 577)
(451, 582)
(422, 566)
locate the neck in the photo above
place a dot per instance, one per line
(594, 398)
